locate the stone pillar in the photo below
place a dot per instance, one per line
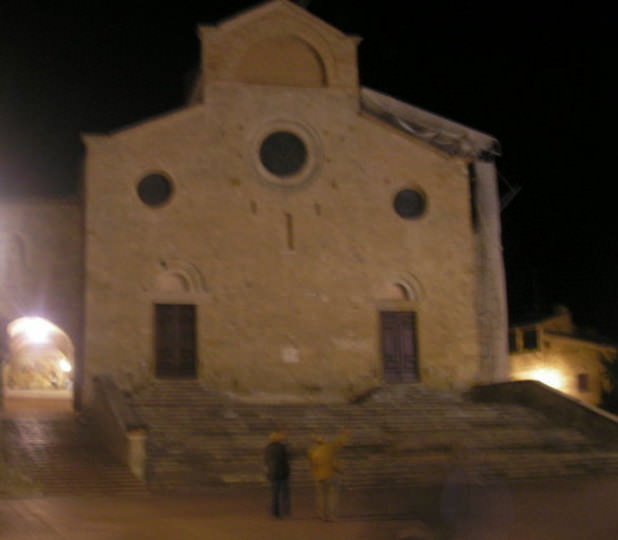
(492, 303)
(136, 452)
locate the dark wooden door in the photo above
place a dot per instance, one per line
(399, 346)
(175, 341)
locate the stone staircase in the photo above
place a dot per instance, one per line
(57, 454)
(401, 436)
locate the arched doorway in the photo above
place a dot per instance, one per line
(398, 330)
(39, 362)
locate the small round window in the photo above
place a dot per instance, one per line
(154, 189)
(409, 203)
(283, 153)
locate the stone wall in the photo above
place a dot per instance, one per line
(276, 315)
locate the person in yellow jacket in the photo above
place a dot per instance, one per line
(325, 470)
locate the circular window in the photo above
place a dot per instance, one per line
(283, 153)
(409, 203)
(154, 189)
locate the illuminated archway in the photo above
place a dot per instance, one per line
(40, 358)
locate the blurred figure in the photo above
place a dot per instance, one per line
(277, 462)
(325, 470)
(474, 505)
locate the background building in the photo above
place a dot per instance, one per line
(552, 351)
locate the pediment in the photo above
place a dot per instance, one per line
(275, 8)
(279, 44)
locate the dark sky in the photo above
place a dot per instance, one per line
(539, 82)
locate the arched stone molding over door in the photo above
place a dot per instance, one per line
(397, 304)
(178, 278)
(402, 289)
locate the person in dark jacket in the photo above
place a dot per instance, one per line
(276, 459)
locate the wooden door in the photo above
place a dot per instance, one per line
(175, 341)
(399, 346)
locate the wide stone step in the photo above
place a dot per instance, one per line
(422, 470)
(60, 456)
(402, 436)
(371, 477)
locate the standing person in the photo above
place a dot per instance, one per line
(325, 470)
(277, 461)
(473, 504)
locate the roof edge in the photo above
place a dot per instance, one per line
(451, 137)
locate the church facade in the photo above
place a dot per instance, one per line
(289, 232)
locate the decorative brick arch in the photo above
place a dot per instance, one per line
(273, 50)
(179, 276)
(404, 288)
(283, 60)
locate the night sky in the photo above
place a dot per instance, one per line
(538, 82)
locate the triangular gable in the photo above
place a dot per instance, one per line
(284, 8)
(278, 44)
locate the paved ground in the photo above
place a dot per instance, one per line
(217, 517)
(565, 510)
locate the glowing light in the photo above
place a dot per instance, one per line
(550, 377)
(34, 329)
(65, 365)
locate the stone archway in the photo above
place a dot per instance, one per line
(40, 360)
